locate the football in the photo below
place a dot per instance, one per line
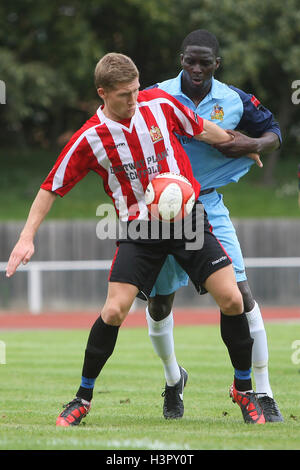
(170, 197)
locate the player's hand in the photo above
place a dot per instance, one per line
(21, 253)
(239, 146)
(256, 158)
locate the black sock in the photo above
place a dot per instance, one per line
(243, 385)
(236, 336)
(100, 346)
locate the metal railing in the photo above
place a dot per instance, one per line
(36, 268)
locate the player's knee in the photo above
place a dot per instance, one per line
(248, 299)
(232, 303)
(260, 366)
(160, 306)
(113, 314)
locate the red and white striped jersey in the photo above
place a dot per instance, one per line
(128, 154)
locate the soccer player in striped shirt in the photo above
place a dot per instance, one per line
(132, 129)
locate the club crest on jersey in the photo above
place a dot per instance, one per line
(217, 112)
(156, 134)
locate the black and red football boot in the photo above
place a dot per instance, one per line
(249, 404)
(73, 412)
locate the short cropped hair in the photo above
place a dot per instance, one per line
(113, 69)
(203, 38)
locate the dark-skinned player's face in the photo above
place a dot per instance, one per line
(199, 65)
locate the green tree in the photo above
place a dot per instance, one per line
(260, 49)
(48, 51)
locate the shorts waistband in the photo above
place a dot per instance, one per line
(206, 191)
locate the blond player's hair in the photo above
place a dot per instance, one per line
(113, 69)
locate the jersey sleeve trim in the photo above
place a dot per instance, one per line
(256, 119)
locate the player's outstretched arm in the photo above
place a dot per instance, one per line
(213, 134)
(24, 248)
(243, 144)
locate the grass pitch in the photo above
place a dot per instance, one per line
(43, 369)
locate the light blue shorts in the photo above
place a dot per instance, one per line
(172, 276)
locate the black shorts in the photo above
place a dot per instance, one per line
(140, 263)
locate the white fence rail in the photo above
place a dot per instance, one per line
(36, 268)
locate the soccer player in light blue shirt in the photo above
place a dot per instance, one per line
(255, 130)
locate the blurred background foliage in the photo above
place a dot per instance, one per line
(48, 51)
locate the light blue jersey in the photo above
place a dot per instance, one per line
(230, 108)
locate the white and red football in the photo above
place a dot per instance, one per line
(170, 197)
